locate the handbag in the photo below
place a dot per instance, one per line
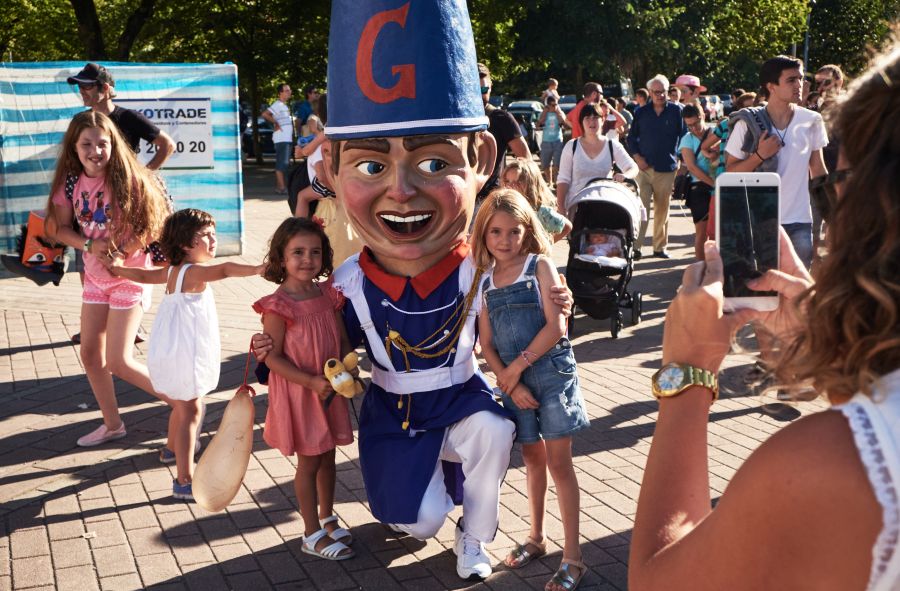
(682, 187)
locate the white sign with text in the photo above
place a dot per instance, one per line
(188, 121)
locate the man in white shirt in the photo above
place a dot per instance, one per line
(795, 136)
(279, 115)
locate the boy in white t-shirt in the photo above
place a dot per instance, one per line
(796, 137)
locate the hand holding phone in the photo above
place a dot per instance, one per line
(748, 222)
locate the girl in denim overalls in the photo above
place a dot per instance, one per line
(523, 340)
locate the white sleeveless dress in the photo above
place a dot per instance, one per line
(875, 423)
(185, 351)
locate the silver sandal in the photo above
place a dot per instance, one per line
(334, 551)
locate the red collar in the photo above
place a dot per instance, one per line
(424, 283)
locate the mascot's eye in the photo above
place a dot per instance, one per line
(370, 168)
(432, 165)
(37, 257)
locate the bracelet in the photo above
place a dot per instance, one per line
(525, 355)
(758, 155)
(88, 244)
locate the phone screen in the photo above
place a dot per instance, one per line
(748, 238)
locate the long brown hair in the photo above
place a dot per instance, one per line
(140, 207)
(851, 334)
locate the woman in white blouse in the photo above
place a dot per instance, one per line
(591, 156)
(817, 505)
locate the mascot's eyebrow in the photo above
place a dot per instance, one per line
(375, 145)
(414, 142)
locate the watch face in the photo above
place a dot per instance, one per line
(671, 379)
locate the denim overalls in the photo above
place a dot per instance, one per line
(516, 317)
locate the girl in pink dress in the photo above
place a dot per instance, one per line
(303, 317)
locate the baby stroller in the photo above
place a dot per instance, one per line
(599, 283)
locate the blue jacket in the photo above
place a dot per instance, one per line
(656, 137)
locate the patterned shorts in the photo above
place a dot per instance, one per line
(117, 293)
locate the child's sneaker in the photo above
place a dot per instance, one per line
(182, 492)
(167, 456)
(101, 435)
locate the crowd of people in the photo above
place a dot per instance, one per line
(461, 241)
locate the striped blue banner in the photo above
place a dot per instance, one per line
(38, 103)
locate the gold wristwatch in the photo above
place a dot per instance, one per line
(674, 378)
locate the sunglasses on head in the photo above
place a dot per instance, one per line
(823, 193)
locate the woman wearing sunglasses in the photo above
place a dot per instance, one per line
(815, 506)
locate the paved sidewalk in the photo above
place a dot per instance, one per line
(102, 518)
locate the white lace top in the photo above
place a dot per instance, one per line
(875, 423)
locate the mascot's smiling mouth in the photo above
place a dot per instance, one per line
(405, 224)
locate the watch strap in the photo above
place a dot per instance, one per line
(705, 378)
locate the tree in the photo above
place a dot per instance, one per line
(841, 31)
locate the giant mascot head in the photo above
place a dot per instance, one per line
(409, 150)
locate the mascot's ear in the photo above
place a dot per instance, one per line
(327, 162)
(486, 152)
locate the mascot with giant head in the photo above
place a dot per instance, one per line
(409, 152)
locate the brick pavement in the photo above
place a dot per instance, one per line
(102, 518)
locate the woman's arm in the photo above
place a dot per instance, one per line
(548, 336)
(564, 178)
(625, 162)
(687, 155)
(798, 514)
(275, 326)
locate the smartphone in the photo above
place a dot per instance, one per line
(747, 224)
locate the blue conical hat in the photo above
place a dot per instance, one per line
(398, 68)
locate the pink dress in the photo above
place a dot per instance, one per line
(297, 421)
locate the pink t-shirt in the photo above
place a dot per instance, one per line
(94, 211)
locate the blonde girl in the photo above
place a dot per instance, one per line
(523, 341)
(523, 175)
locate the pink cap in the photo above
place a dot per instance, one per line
(689, 80)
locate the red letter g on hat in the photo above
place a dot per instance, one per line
(406, 85)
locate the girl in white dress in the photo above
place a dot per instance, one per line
(184, 355)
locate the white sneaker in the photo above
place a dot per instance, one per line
(471, 559)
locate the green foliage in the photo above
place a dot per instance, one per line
(523, 42)
(842, 30)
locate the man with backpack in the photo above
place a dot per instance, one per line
(785, 138)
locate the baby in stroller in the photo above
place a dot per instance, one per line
(601, 244)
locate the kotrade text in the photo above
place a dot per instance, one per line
(175, 113)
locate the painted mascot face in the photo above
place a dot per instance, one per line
(411, 198)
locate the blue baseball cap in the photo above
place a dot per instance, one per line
(400, 68)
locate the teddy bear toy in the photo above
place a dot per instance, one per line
(338, 373)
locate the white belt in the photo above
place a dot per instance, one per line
(426, 380)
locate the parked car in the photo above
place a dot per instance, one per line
(527, 114)
(265, 139)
